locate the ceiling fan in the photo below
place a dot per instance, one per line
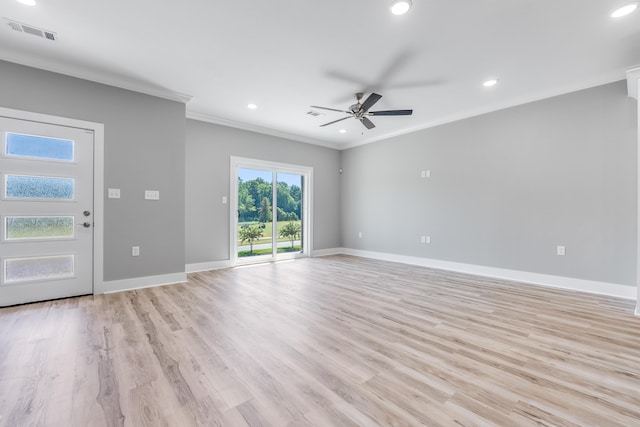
(360, 111)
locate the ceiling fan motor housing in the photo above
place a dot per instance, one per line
(361, 110)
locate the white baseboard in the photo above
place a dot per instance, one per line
(225, 263)
(141, 282)
(590, 286)
(206, 266)
(327, 252)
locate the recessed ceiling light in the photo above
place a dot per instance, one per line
(252, 106)
(490, 82)
(27, 2)
(342, 131)
(624, 10)
(400, 7)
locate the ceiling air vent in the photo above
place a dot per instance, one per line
(30, 29)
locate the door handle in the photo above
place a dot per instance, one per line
(84, 224)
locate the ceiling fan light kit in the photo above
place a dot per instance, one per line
(360, 111)
(400, 7)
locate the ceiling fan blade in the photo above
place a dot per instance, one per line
(335, 121)
(391, 113)
(330, 109)
(368, 103)
(367, 123)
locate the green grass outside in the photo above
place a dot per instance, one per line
(267, 251)
(266, 232)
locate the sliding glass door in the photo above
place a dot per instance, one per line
(255, 213)
(270, 210)
(289, 218)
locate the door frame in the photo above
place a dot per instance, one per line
(98, 178)
(307, 202)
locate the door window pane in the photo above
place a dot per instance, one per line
(38, 147)
(289, 212)
(255, 212)
(38, 187)
(29, 269)
(38, 227)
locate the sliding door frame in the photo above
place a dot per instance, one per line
(307, 204)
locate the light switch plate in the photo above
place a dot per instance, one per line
(113, 193)
(151, 195)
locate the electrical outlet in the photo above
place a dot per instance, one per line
(135, 251)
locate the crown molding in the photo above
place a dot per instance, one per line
(193, 115)
(98, 77)
(610, 78)
(633, 75)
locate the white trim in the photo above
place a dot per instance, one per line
(98, 178)
(633, 79)
(98, 207)
(488, 108)
(207, 266)
(633, 76)
(193, 115)
(275, 167)
(327, 252)
(344, 145)
(142, 282)
(568, 283)
(98, 77)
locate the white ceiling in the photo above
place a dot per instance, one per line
(286, 55)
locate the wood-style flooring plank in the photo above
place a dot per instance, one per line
(333, 341)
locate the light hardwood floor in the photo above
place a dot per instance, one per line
(333, 341)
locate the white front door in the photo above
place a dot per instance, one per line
(46, 241)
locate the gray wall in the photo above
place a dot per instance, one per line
(144, 149)
(208, 152)
(506, 188)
